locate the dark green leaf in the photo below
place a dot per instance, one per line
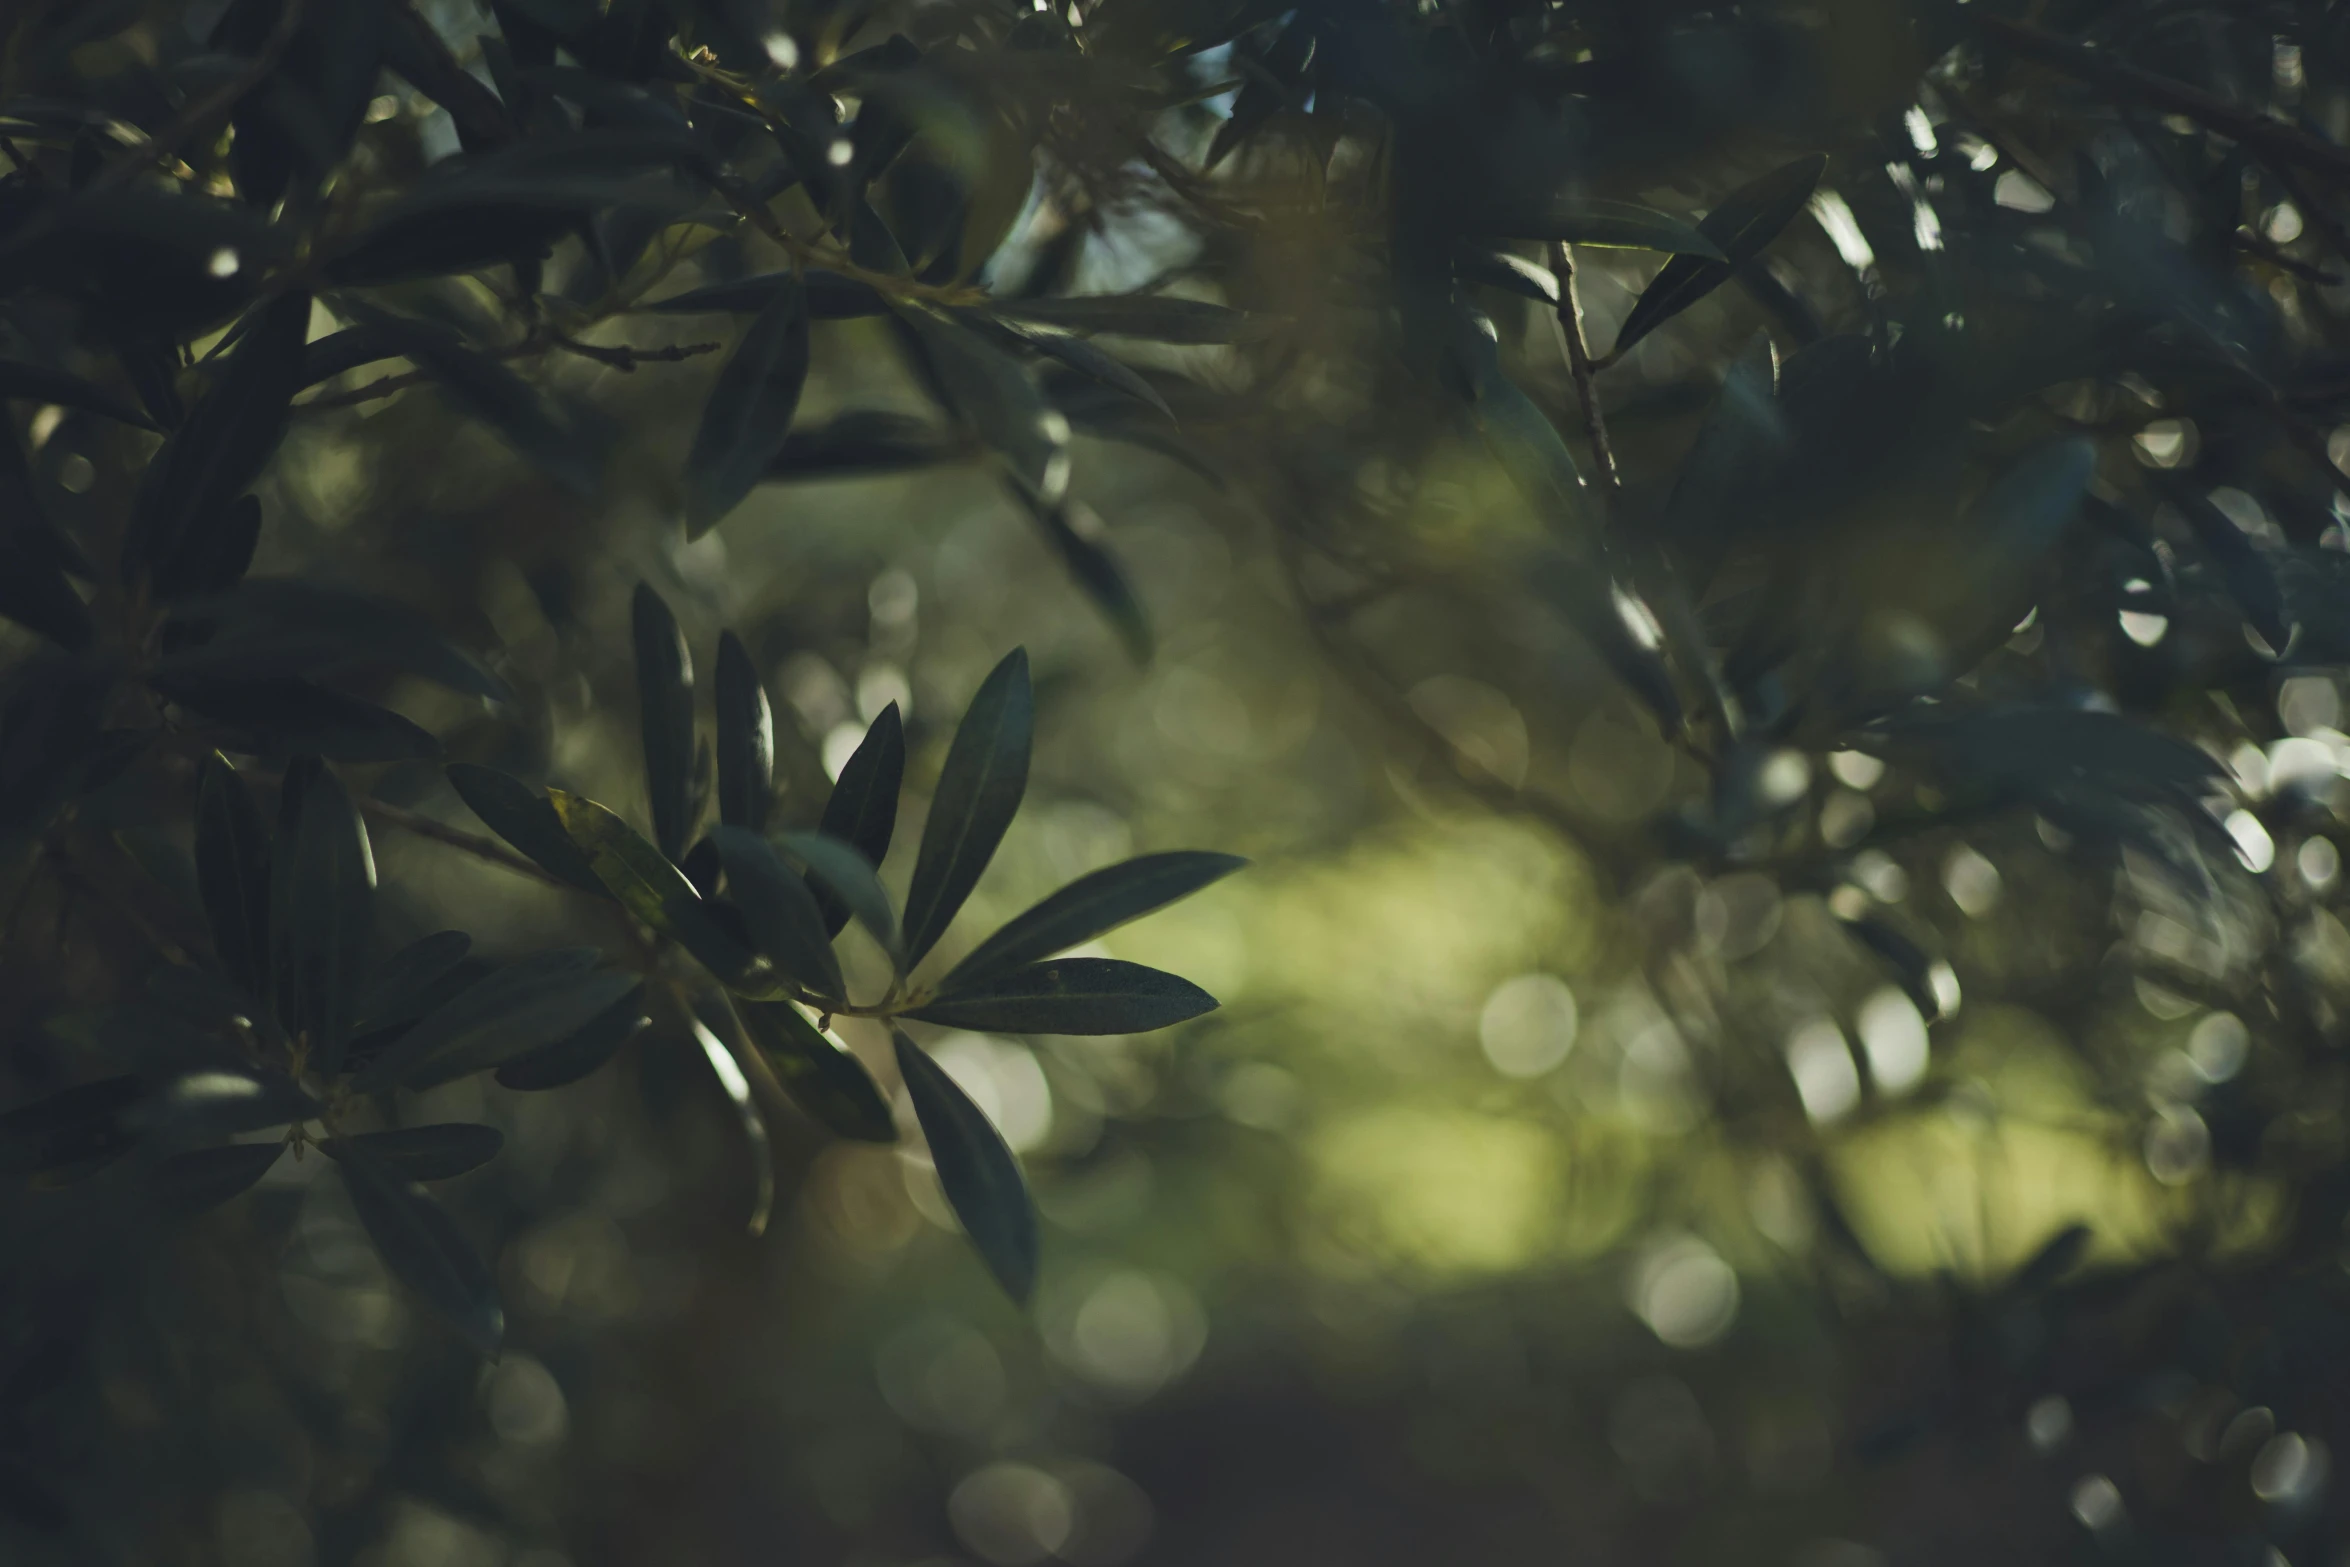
(1745, 221)
(285, 717)
(35, 383)
(655, 892)
(823, 1079)
(484, 389)
(1079, 355)
(842, 870)
(232, 874)
(1592, 220)
(424, 1250)
(275, 626)
(411, 975)
(34, 591)
(976, 1170)
(746, 739)
(784, 921)
(503, 1017)
(72, 1133)
(749, 413)
(1075, 533)
(1089, 906)
(2062, 1253)
(994, 397)
(862, 442)
(187, 1184)
(217, 454)
(521, 815)
(426, 1153)
(665, 703)
(213, 552)
(737, 1089)
(586, 1048)
(1911, 967)
(978, 793)
(830, 296)
(1068, 996)
(1511, 274)
(332, 909)
(862, 810)
(1160, 318)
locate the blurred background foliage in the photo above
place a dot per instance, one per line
(1791, 1132)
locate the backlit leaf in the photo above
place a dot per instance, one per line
(232, 874)
(654, 891)
(1090, 906)
(823, 1079)
(423, 1249)
(1068, 996)
(976, 1170)
(784, 921)
(978, 793)
(746, 739)
(749, 413)
(521, 815)
(1740, 225)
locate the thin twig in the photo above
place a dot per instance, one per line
(618, 356)
(1570, 326)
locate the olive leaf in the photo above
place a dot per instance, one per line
(749, 412)
(976, 1170)
(978, 793)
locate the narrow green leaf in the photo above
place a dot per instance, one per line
(784, 920)
(232, 874)
(187, 1184)
(290, 717)
(1737, 450)
(1592, 220)
(333, 901)
(749, 412)
(850, 878)
(521, 815)
(588, 1047)
(426, 1153)
(1511, 274)
(978, 793)
(514, 1011)
(654, 891)
(823, 1078)
(414, 972)
(665, 700)
(746, 739)
(1068, 996)
(831, 297)
(994, 396)
(862, 442)
(217, 454)
(215, 549)
(862, 810)
(1745, 221)
(1090, 906)
(34, 591)
(423, 1249)
(35, 383)
(976, 1170)
(737, 1088)
(1075, 533)
(70, 1133)
(285, 627)
(1160, 318)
